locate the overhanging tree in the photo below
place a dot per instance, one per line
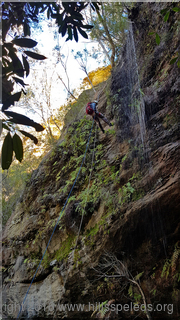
(15, 65)
(110, 23)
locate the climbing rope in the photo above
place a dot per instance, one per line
(87, 190)
(58, 221)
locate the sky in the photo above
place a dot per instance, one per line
(44, 33)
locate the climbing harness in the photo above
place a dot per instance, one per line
(59, 220)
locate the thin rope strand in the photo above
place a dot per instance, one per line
(87, 189)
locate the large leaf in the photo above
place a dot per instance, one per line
(35, 55)
(94, 5)
(166, 16)
(63, 30)
(7, 152)
(75, 34)
(25, 42)
(21, 119)
(29, 135)
(176, 9)
(18, 147)
(27, 30)
(83, 33)
(173, 60)
(164, 11)
(20, 81)
(87, 26)
(69, 33)
(17, 65)
(10, 100)
(5, 126)
(26, 65)
(158, 40)
(76, 15)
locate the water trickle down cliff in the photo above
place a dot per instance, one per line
(132, 206)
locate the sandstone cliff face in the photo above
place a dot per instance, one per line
(127, 250)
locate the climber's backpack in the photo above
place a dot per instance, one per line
(89, 109)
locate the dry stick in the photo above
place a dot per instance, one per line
(67, 88)
(111, 261)
(104, 275)
(65, 69)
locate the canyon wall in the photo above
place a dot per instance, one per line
(117, 243)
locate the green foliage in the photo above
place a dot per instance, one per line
(125, 192)
(134, 295)
(65, 249)
(18, 147)
(110, 24)
(166, 13)
(166, 269)
(158, 40)
(46, 261)
(170, 267)
(138, 276)
(7, 152)
(112, 132)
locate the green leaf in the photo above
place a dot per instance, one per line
(7, 152)
(5, 126)
(29, 135)
(94, 6)
(76, 15)
(35, 55)
(25, 42)
(138, 276)
(21, 119)
(18, 147)
(150, 33)
(26, 65)
(130, 290)
(43, 8)
(75, 34)
(69, 33)
(158, 40)
(20, 81)
(166, 16)
(87, 26)
(26, 28)
(10, 101)
(63, 30)
(163, 11)
(48, 13)
(17, 65)
(176, 9)
(178, 63)
(83, 33)
(173, 60)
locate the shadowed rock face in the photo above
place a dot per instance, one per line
(133, 206)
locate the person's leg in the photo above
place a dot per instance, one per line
(100, 115)
(100, 125)
(98, 121)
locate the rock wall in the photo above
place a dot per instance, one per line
(127, 251)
